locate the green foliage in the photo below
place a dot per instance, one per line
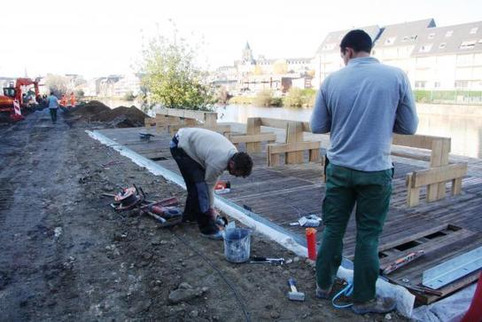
(129, 96)
(247, 100)
(171, 77)
(79, 93)
(57, 84)
(448, 97)
(265, 97)
(297, 97)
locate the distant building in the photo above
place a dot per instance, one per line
(327, 58)
(252, 75)
(434, 58)
(449, 58)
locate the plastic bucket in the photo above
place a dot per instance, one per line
(237, 245)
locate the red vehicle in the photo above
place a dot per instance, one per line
(12, 100)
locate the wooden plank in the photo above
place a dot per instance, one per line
(415, 141)
(198, 115)
(271, 122)
(409, 155)
(235, 138)
(292, 147)
(439, 174)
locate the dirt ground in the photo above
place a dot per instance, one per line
(67, 256)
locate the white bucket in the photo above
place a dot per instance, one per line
(237, 245)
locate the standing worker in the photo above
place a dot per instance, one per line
(72, 99)
(361, 105)
(53, 104)
(202, 156)
(63, 100)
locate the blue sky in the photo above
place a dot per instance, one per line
(97, 38)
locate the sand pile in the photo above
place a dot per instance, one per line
(118, 117)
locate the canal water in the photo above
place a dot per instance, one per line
(461, 123)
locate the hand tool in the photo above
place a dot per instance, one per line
(294, 295)
(402, 261)
(261, 260)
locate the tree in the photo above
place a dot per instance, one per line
(57, 84)
(171, 77)
(280, 67)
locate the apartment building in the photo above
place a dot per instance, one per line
(434, 58)
(447, 58)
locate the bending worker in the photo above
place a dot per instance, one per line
(202, 156)
(361, 105)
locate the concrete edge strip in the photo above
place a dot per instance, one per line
(405, 300)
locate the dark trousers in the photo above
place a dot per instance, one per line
(197, 202)
(53, 114)
(371, 193)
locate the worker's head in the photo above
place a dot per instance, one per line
(240, 165)
(356, 43)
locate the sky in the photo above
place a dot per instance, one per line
(97, 38)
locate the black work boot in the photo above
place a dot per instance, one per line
(377, 305)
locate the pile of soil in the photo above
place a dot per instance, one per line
(122, 116)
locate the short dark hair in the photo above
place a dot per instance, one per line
(358, 40)
(243, 163)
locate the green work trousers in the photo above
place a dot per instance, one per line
(370, 192)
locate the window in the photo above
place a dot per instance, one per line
(436, 85)
(469, 44)
(390, 40)
(425, 48)
(473, 30)
(329, 46)
(431, 36)
(461, 84)
(449, 33)
(442, 45)
(420, 84)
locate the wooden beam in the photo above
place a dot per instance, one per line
(439, 174)
(415, 141)
(235, 139)
(198, 115)
(294, 147)
(223, 129)
(276, 123)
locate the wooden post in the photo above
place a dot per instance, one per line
(294, 133)
(413, 193)
(272, 158)
(439, 157)
(253, 126)
(210, 120)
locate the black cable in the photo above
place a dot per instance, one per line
(231, 286)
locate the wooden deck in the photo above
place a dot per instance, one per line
(443, 229)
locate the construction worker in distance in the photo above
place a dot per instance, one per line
(202, 156)
(53, 104)
(361, 106)
(72, 99)
(63, 100)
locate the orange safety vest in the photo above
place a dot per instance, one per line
(72, 100)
